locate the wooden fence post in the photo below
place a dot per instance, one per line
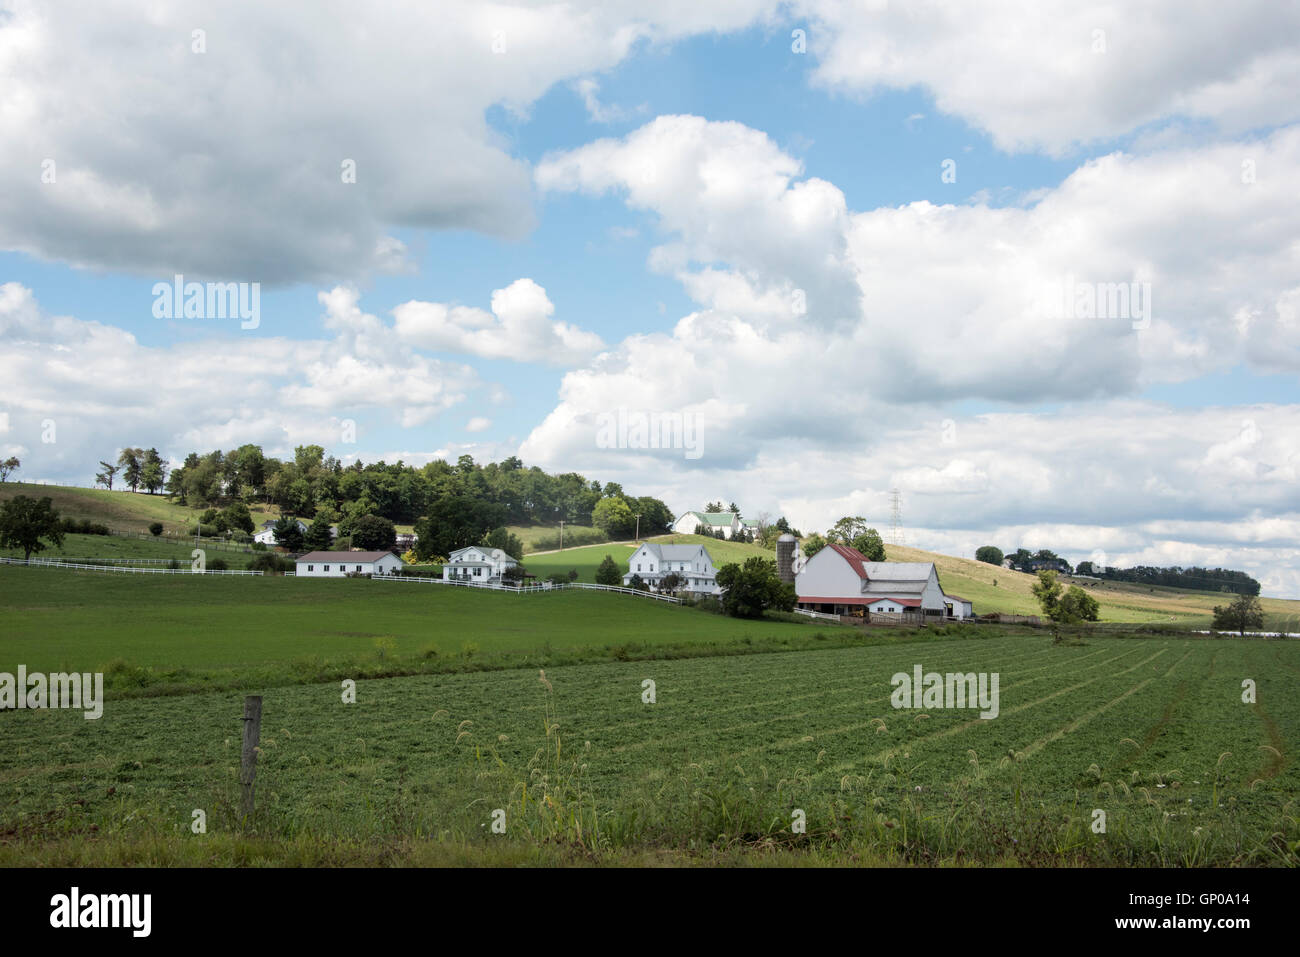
(248, 757)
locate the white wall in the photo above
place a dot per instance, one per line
(828, 575)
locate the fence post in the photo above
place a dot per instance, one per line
(248, 756)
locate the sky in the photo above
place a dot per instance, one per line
(1037, 267)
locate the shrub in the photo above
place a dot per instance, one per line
(271, 563)
(218, 565)
(155, 529)
(259, 546)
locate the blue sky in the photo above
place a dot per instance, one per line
(504, 270)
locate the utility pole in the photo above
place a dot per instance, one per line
(561, 534)
(638, 526)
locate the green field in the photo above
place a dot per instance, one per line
(1152, 730)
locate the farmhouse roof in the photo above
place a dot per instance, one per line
(342, 556)
(857, 561)
(495, 554)
(676, 553)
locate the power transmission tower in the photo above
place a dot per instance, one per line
(896, 518)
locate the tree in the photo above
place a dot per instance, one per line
(129, 459)
(25, 521)
(733, 508)
(506, 541)
(989, 554)
(238, 517)
(1048, 592)
(1244, 612)
(10, 464)
(374, 533)
(287, 534)
(1077, 605)
(153, 473)
(811, 545)
(637, 582)
(1074, 606)
(454, 521)
(613, 517)
(714, 507)
(609, 573)
(752, 588)
(105, 477)
(846, 530)
(155, 529)
(870, 544)
(319, 536)
(671, 582)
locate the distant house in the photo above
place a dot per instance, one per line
(339, 564)
(406, 540)
(1050, 564)
(267, 535)
(708, 523)
(692, 563)
(477, 563)
(841, 580)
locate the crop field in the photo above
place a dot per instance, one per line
(728, 755)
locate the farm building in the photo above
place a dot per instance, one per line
(339, 564)
(840, 580)
(958, 607)
(708, 523)
(693, 563)
(477, 563)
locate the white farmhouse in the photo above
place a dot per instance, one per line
(692, 563)
(840, 580)
(708, 523)
(339, 564)
(477, 563)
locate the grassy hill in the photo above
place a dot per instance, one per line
(121, 509)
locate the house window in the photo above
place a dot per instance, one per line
(311, 568)
(638, 567)
(358, 568)
(327, 568)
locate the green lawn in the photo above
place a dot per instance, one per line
(222, 628)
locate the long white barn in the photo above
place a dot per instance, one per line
(340, 564)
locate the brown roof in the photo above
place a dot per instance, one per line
(343, 556)
(857, 561)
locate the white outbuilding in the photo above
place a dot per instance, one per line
(340, 564)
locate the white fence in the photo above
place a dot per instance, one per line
(144, 570)
(527, 589)
(816, 614)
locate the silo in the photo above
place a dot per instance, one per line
(785, 546)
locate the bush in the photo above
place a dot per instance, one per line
(82, 526)
(207, 531)
(271, 563)
(218, 565)
(259, 546)
(155, 529)
(608, 573)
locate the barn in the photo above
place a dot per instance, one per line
(841, 580)
(339, 564)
